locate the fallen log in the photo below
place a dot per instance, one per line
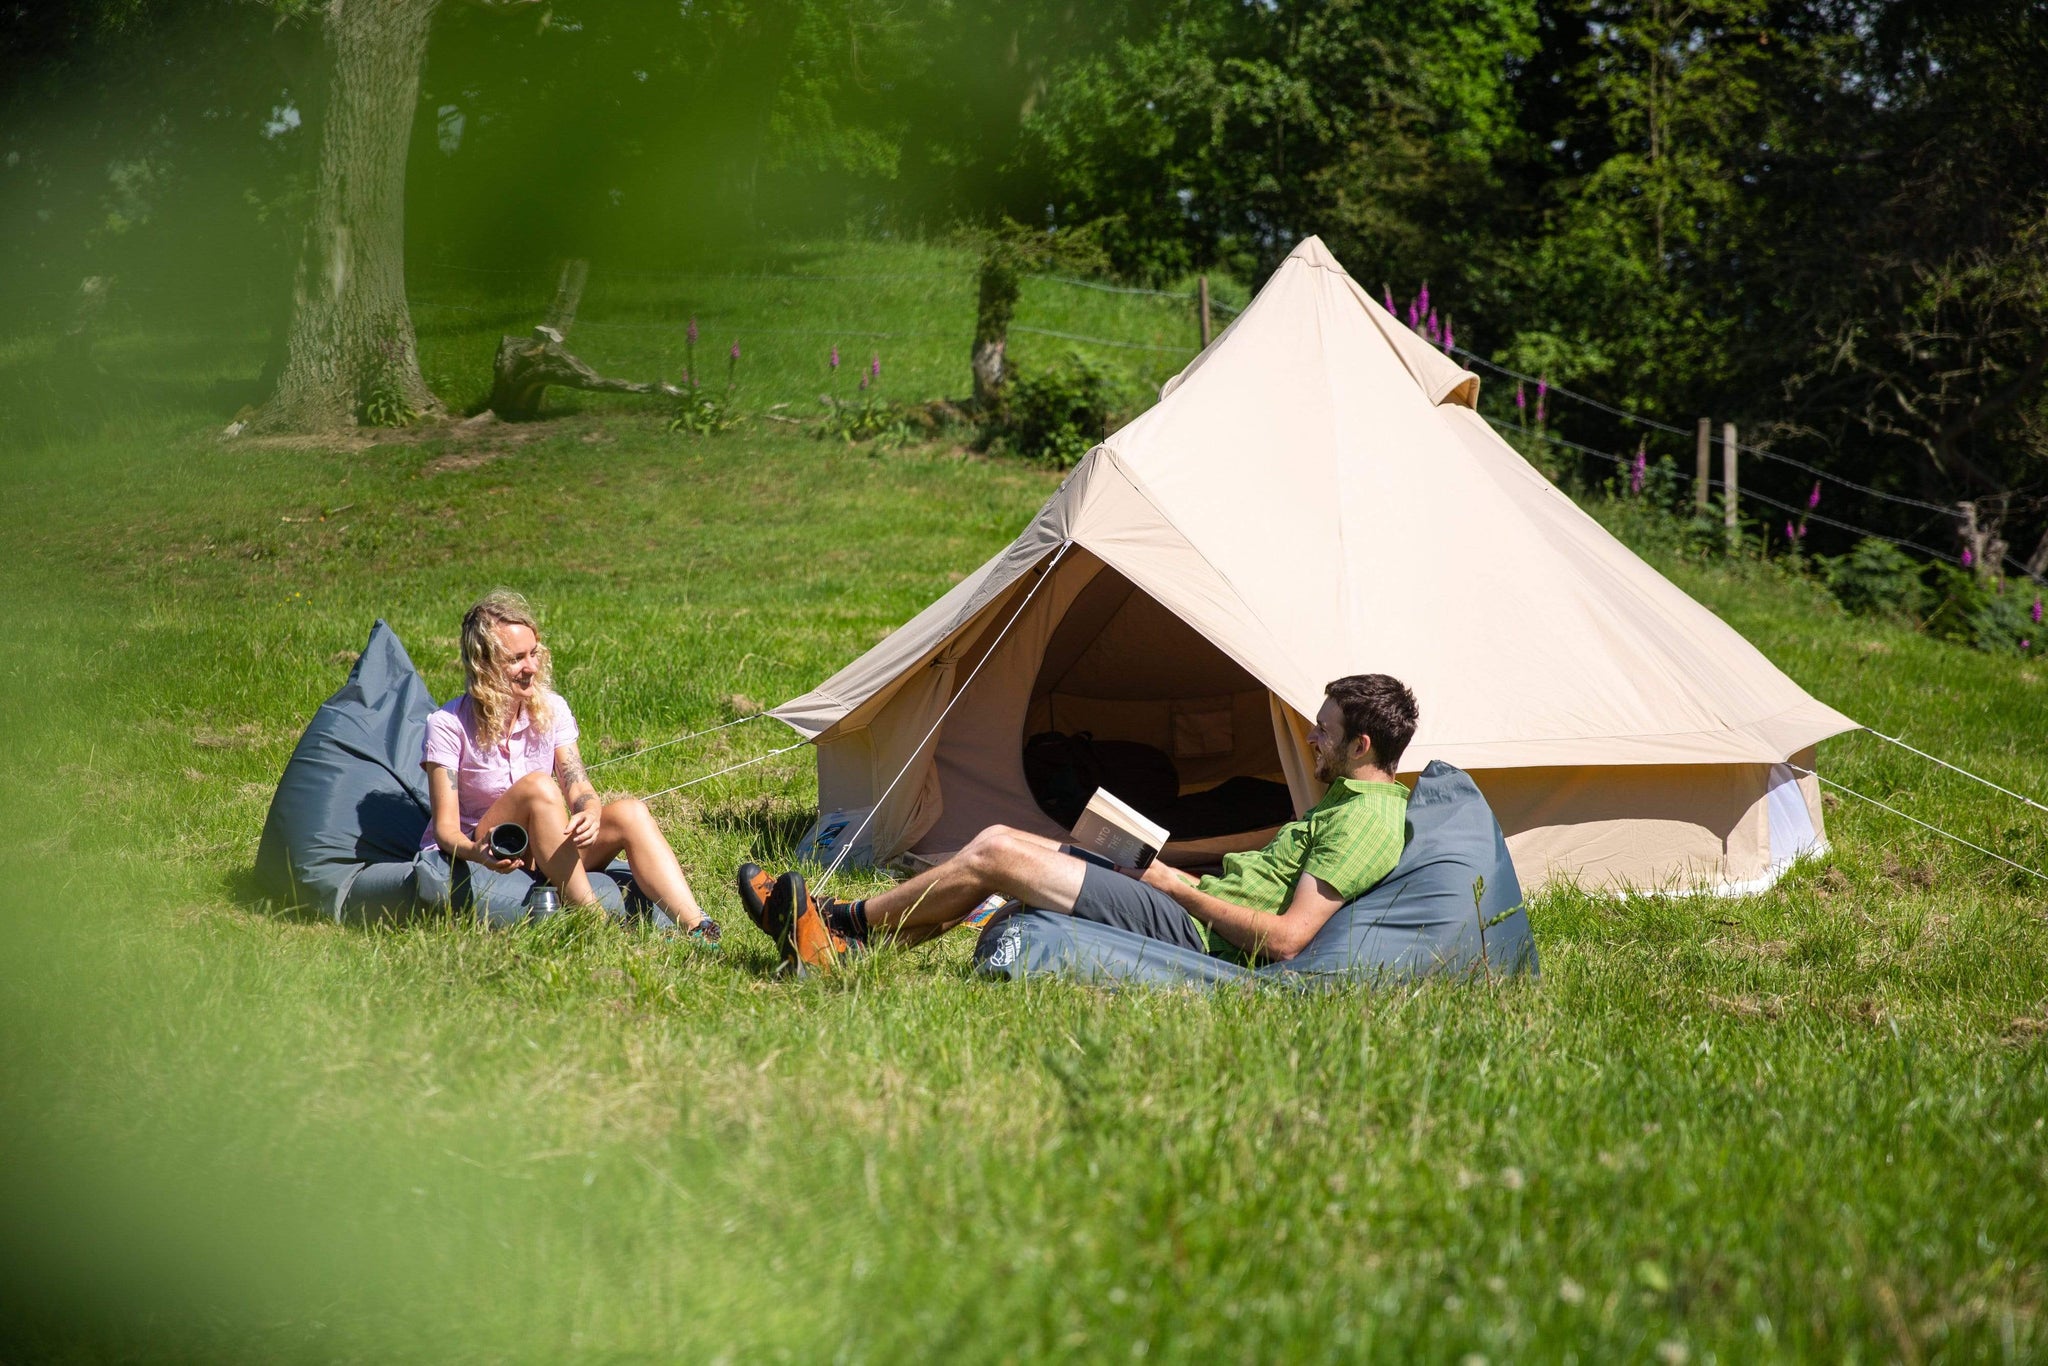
(526, 367)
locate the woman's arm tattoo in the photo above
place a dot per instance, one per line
(571, 774)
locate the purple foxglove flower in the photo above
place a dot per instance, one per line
(2026, 645)
(1635, 470)
(1542, 392)
(1802, 531)
(835, 358)
(1968, 558)
(1422, 299)
(875, 366)
(1521, 399)
(734, 354)
(1450, 337)
(863, 381)
(1813, 499)
(1387, 297)
(1790, 534)
(1432, 329)
(2036, 613)
(690, 332)
(1414, 314)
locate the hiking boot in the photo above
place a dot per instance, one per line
(755, 885)
(809, 941)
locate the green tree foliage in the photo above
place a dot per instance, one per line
(1223, 132)
(1826, 220)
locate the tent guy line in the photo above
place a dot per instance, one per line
(1917, 821)
(2016, 796)
(846, 847)
(695, 734)
(730, 768)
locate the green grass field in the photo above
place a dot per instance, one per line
(1808, 1124)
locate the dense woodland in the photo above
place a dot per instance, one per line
(1825, 221)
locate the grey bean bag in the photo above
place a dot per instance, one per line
(343, 834)
(1418, 921)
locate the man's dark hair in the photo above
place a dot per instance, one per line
(1379, 707)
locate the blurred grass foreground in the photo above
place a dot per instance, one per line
(1805, 1124)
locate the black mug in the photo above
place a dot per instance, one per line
(508, 840)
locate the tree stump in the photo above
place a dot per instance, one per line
(526, 367)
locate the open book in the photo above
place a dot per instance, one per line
(1118, 832)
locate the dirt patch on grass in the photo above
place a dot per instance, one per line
(1916, 875)
(449, 462)
(248, 735)
(1749, 1006)
(347, 442)
(2026, 1030)
(479, 442)
(1758, 950)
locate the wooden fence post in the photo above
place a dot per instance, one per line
(1731, 486)
(1705, 466)
(1985, 547)
(1202, 296)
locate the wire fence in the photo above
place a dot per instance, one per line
(963, 335)
(1761, 453)
(1177, 300)
(1944, 510)
(1217, 306)
(1552, 438)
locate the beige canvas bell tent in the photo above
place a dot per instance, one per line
(1315, 495)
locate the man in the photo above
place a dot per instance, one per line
(1266, 905)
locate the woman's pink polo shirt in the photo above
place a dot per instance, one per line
(482, 775)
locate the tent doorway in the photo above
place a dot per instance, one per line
(1098, 656)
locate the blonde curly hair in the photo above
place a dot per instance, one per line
(483, 665)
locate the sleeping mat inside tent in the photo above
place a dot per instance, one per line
(343, 834)
(1428, 917)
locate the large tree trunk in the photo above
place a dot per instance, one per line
(351, 334)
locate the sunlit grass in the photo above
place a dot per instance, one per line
(1803, 1124)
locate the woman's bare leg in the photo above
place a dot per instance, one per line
(536, 802)
(628, 826)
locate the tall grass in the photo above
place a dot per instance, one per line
(1803, 1124)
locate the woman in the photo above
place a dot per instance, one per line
(506, 751)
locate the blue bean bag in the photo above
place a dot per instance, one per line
(343, 835)
(1418, 921)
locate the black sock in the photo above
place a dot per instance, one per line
(847, 918)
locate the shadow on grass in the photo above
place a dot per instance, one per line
(71, 397)
(771, 824)
(246, 891)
